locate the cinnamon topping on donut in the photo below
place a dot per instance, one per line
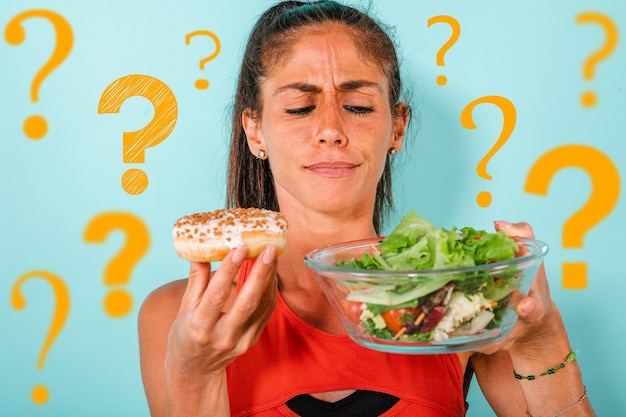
(249, 219)
(213, 234)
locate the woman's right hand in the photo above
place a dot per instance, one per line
(214, 325)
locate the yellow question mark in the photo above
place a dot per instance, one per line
(135, 181)
(589, 98)
(40, 393)
(509, 115)
(36, 127)
(605, 183)
(119, 302)
(456, 33)
(204, 84)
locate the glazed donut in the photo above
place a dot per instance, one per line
(209, 236)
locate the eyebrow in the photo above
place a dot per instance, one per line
(310, 88)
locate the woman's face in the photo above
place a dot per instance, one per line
(326, 125)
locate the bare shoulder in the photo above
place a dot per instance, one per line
(163, 302)
(156, 315)
(171, 292)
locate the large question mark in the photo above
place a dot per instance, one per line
(119, 302)
(589, 98)
(204, 84)
(509, 119)
(135, 181)
(36, 127)
(40, 393)
(605, 189)
(456, 33)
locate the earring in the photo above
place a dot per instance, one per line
(260, 154)
(392, 151)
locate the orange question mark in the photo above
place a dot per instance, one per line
(204, 84)
(509, 115)
(605, 182)
(135, 181)
(36, 127)
(456, 33)
(119, 302)
(40, 393)
(589, 98)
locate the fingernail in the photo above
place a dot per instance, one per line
(269, 255)
(239, 255)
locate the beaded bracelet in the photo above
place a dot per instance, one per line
(570, 358)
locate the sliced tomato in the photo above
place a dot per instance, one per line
(354, 310)
(397, 318)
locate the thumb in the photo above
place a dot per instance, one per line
(528, 309)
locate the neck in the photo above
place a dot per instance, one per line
(310, 231)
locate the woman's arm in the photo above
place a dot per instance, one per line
(537, 343)
(189, 331)
(162, 381)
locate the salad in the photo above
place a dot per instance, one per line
(439, 306)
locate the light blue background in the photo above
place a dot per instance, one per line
(530, 52)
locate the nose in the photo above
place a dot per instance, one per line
(331, 123)
(341, 141)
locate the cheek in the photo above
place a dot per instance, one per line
(378, 150)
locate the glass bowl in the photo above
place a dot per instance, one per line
(471, 307)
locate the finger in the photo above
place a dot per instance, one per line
(220, 286)
(265, 306)
(199, 276)
(257, 295)
(516, 231)
(252, 329)
(521, 229)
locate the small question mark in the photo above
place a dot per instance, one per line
(40, 394)
(204, 84)
(135, 181)
(456, 33)
(605, 182)
(509, 115)
(589, 98)
(119, 302)
(36, 127)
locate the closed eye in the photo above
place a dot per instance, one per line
(359, 109)
(301, 111)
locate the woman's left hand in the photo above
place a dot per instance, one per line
(538, 316)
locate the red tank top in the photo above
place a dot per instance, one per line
(292, 358)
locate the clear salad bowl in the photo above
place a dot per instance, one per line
(425, 311)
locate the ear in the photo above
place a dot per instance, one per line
(400, 120)
(251, 124)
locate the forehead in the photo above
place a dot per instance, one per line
(319, 50)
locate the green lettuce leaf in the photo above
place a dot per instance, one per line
(416, 244)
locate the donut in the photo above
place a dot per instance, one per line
(209, 236)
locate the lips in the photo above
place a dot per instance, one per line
(333, 169)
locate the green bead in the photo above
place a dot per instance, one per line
(550, 371)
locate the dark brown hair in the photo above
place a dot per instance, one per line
(250, 180)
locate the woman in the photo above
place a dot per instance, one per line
(316, 120)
